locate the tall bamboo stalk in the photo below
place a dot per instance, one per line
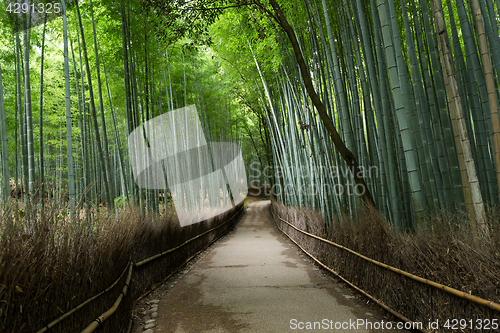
(69, 137)
(490, 85)
(479, 226)
(41, 171)
(410, 153)
(5, 158)
(28, 112)
(107, 193)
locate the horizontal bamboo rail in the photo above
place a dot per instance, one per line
(436, 285)
(129, 267)
(397, 314)
(53, 323)
(156, 256)
(175, 271)
(98, 321)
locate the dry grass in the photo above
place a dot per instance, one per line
(49, 265)
(445, 253)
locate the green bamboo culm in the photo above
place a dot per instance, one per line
(95, 123)
(480, 228)
(5, 188)
(41, 168)
(30, 148)
(101, 108)
(69, 136)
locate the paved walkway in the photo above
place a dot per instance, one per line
(255, 281)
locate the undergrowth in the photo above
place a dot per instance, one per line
(49, 265)
(445, 253)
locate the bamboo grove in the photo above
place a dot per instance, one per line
(412, 88)
(109, 69)
(395, 102)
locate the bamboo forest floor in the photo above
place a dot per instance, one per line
(253, 280)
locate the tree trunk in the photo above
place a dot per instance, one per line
(348, 156)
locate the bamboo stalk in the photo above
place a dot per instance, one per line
(94, 116)
(480, 228)
(490, 85)
(28, 112)
(5, 189)
(69, 138)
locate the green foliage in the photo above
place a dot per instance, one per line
(161, 64)
(176, 20)
(121, 201)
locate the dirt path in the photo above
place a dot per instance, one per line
(254, 280)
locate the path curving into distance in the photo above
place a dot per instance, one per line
(254, 280)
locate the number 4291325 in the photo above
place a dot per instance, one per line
(41, 8)
(484, 324)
